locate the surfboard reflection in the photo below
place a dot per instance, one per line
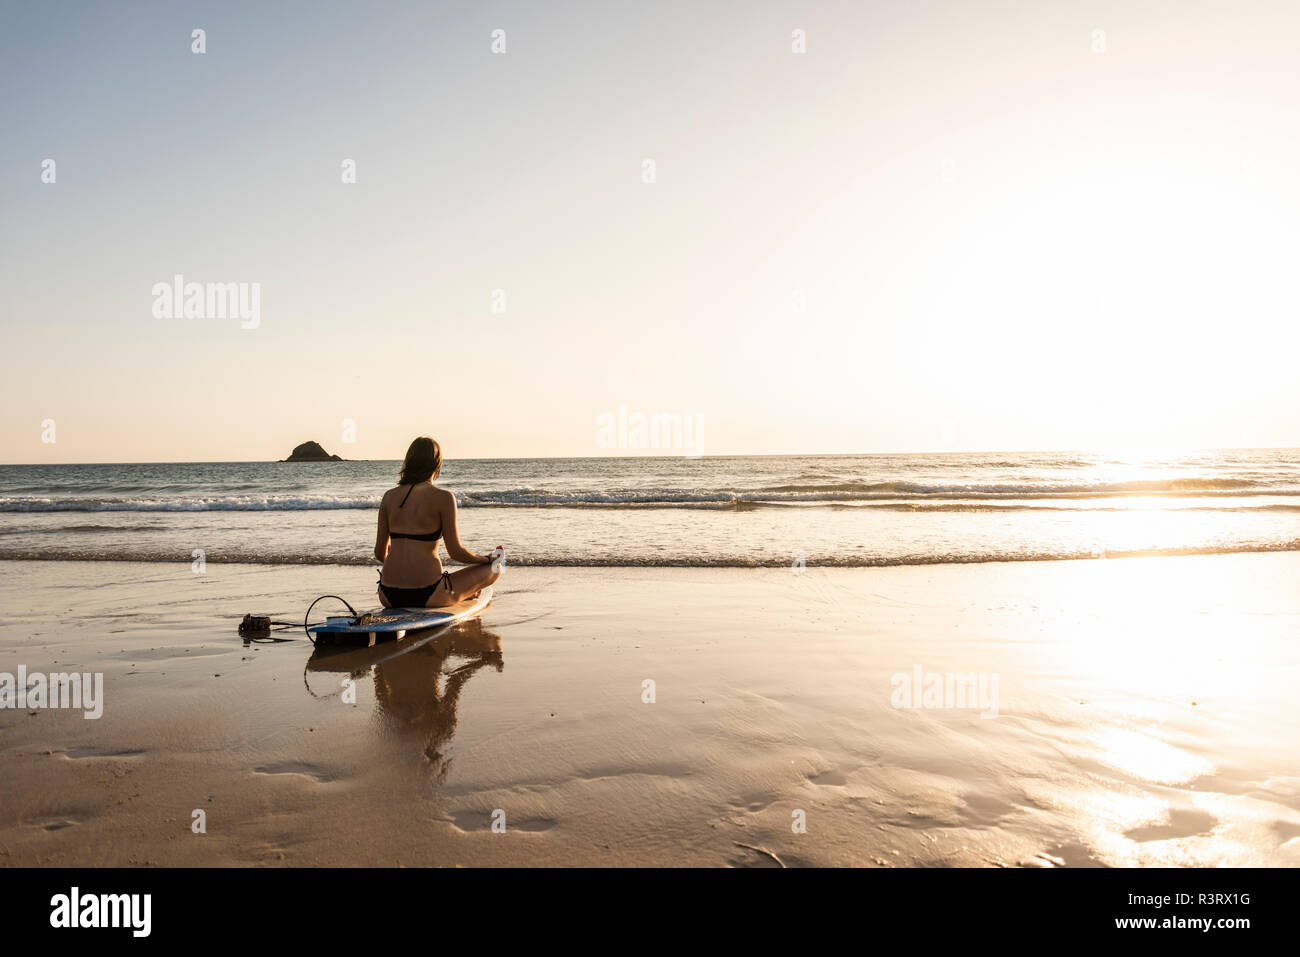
(418, 680)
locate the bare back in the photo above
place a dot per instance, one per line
(412, 519)
(411, 562)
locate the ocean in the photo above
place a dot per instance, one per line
(742, 511)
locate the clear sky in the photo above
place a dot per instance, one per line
(1006, 230)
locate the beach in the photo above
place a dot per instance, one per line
(1130, 711)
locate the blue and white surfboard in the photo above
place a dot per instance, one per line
(389, 623)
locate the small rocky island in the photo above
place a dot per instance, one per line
(311, 452)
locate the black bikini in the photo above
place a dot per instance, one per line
(431, 537)
(413, 597)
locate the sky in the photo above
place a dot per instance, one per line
(943, 226)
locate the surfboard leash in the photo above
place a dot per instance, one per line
(307, 616)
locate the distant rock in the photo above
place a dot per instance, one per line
(311, 452)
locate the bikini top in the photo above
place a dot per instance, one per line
(430, 537)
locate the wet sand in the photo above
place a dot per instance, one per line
(1145, 714)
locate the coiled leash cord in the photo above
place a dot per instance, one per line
(307, 616)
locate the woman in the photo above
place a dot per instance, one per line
(412, 517)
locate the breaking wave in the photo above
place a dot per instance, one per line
(809, 494)
(236, 556)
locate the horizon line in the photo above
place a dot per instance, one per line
(713, 455)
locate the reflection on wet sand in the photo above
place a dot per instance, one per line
(418, 680)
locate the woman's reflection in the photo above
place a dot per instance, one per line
(417, 693)
(418, 679)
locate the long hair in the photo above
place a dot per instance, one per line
(423, 461)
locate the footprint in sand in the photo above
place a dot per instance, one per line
(475, 820)
(829, 779)
(86, 751)
(1181, 823)
(318, 774)
(1286, 830)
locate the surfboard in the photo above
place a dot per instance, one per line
(382, 624)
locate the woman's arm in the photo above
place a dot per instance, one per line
(381, 537)
(451, 535)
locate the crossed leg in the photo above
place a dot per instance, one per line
(466, 583)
